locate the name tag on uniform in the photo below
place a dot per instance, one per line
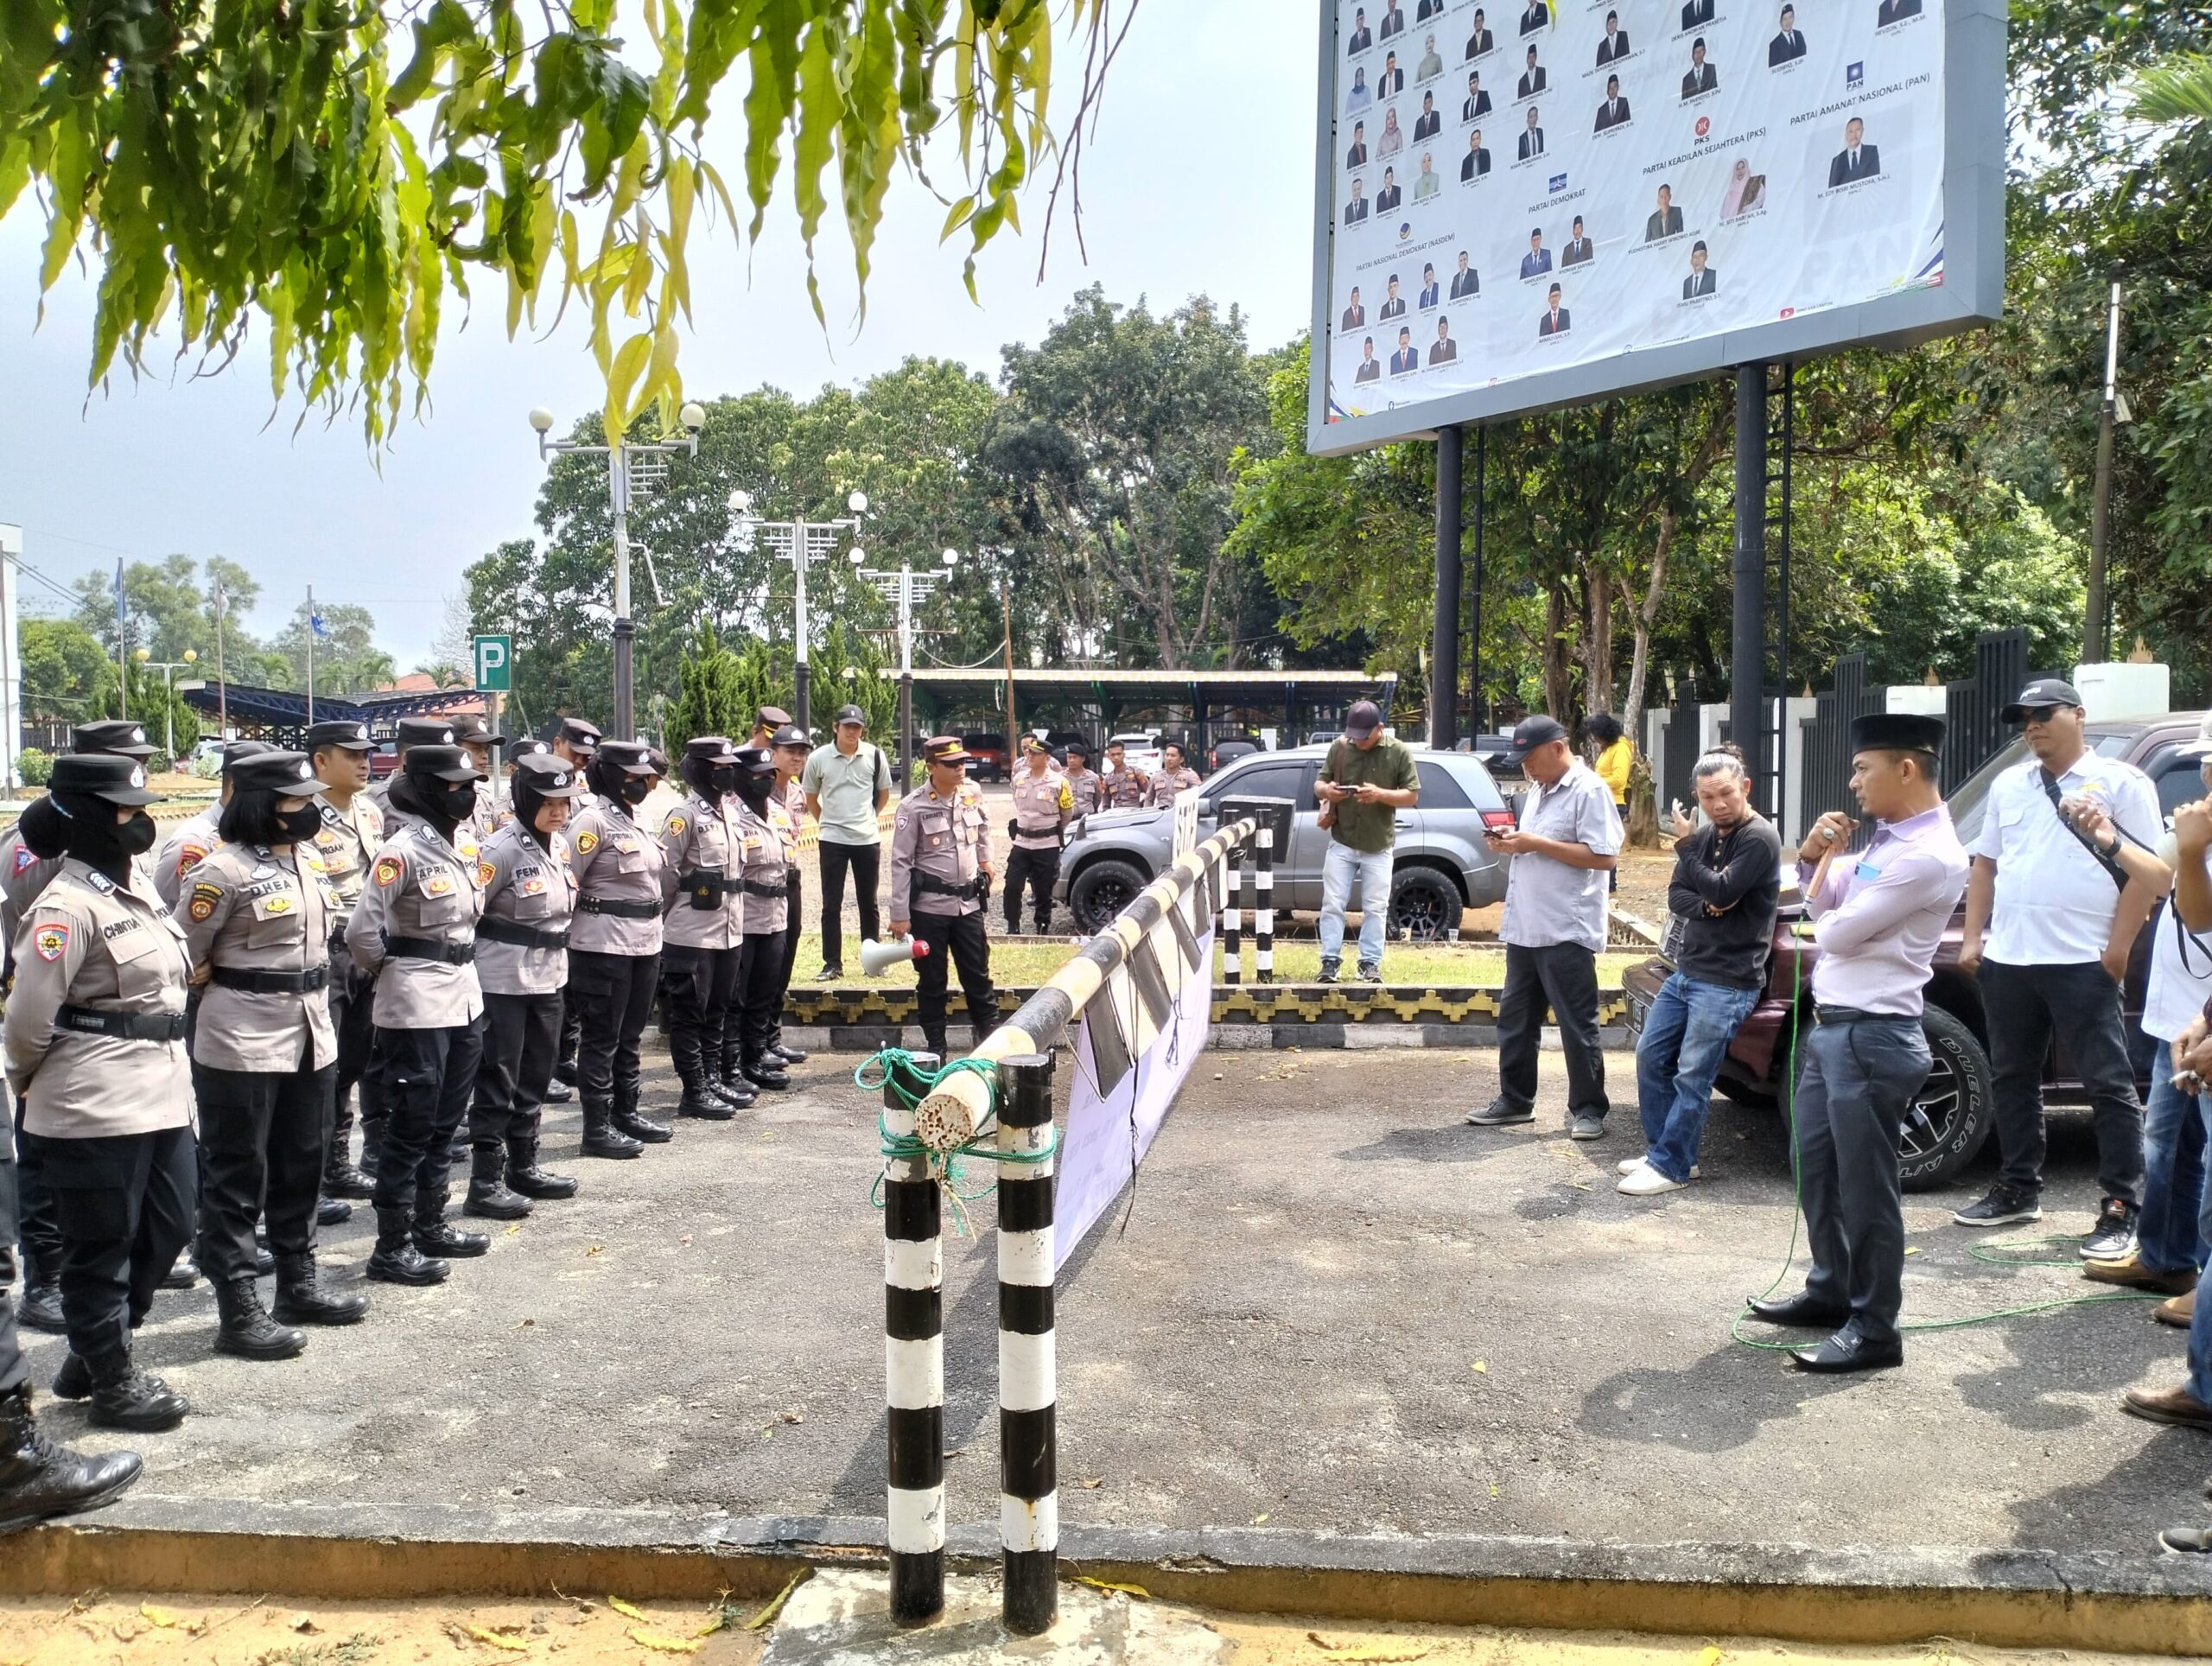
(1867, 870)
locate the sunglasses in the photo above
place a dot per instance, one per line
(2040, 714)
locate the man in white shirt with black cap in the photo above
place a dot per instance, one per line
(2051, 919)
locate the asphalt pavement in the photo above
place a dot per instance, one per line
(1329, 1306)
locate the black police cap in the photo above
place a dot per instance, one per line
(547, 777)
(440, 764)
(709, 749)
(108, 775)
(289, 774)
(474, 731)
(116, 735)
(424, 732)
(239, 751)
(580, 733)
(632, 757)
(352, 737)
(756, 760)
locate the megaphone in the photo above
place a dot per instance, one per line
(879, 957)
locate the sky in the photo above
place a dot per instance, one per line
(1200, 179)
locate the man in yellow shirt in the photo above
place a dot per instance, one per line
(1616, 756)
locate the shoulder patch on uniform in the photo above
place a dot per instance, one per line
(586, 841)
(486, 872)
(190, 857)
(204, 899)
(24, 857)
(389, 869)
(50, 939)
(675, 825)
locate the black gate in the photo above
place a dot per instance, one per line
(1827, 785)
(1976, 730)
(1684, 742)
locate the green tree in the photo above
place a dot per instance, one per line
(710, 701)
(65, 670)
(150, 701)
(337, 171)
(346, 661)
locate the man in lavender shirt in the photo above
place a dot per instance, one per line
(1877, 918)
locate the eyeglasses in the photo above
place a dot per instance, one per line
(2035, 714)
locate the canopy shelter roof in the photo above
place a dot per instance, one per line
(1098, 699)
(280, 716)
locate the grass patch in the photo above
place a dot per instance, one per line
(1023, 964)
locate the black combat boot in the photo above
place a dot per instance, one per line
(629, 1120)
(558, 1092)
(125, 1397)
(372, 1146)
(434, 1237)
(733, 1090)
(74, 1380)
(525, 1178)
(40, 1480)
(701, 1100)
(783, 1049)
(602, 1138)
(340, 1178)
(396, 1261)
(39, 1308)
(301, 1299)
(489, 1198)
(247, 1331)
(264, 1261)
(183, 1274)
(764, 1072)
(332, 1212)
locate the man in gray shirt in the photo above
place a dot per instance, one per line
(846, 786)
(1568, 840)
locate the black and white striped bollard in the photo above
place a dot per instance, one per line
(913, 1332)
(1029, 1499)
(1232, 950)
(1263, 906)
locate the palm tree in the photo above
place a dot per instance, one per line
(2177, 89)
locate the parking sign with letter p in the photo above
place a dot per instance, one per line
(495, 664)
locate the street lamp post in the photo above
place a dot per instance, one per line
(168, 669)
(802, 543)
(906, 587)
(619, 457)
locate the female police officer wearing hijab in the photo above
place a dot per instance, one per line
(414, 931)
(703, 934)
(95, 1046)
(257, 914)
(522, 959)
(615, 949)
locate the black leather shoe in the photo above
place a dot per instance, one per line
(405, 1264)
(701, 1100)
(1800, 1309)
(183, 1274)
(74, 1380)
(1847, 1350)
(342, 1179)
(247, 1331)
(526, 1179)
(493, 1200)
(642, 1129)
(735, 1091)
(301, 1299)
(265, 1264)
(332, 1212)
(558, 1092)
(40, 1480)
(788, 1053)
(41, 1306)
(764, 1073)
(125, 1397)
(437, 1239)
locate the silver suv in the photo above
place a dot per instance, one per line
(1441, 867)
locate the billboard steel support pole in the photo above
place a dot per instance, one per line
(1444, 645)
(1747, 660)
(1475, 633)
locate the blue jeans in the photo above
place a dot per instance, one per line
(2171, 1236)
(1372, 870)
(2200, 1326)
(1686, 1034)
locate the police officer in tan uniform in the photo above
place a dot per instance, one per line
(764, 852)
(522, 961)
(413, 932)
(258, 916)
(1174, 776)
(615, 949)
(575, 742)
(94, 1038)
(793, 746)
(940, 875)
(25, 1206)
(1122, 787)
(188, 843)
(1083, 780)
(407, 734)
(704, 935)
(475, 737)
(351, 834)
(1043, 801)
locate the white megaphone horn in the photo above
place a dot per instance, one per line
(878, 957)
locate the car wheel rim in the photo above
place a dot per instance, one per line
(1933, 1115)
(1419, 917)
(1108, 899)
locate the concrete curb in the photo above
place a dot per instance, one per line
(363, 1552)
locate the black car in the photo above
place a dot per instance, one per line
(1228, 748)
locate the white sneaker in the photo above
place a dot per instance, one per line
(1628, 1165)
(1646, 1182)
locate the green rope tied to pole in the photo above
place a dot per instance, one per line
(1995, 1254)
(892, 1067)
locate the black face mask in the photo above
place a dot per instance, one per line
(460, 801)
(754, 791)
(136, 836)
(301, 824)
(635, 789)
(723, 779)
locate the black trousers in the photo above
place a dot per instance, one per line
(429, 1077)
(699, 991)
(352, 1015)
(263, 1134)
(13, 1370)
(613, 995)
(125, 1205)
(572, 1023)
(1565, 976)
(10, 1213)
(962, 938)
(838, 859)
(1852, 1089)
(759, 999)
(33, 1224)
(1039, 871)
(2026, 1005)
(791, 947)
(520, 1034)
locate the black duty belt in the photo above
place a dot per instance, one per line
(454, 954)
(124, 1026)
(492, 929)
(238, 977)
(706, 880)
(1051, 832)
(759, 888)
(938, 887)
(1856, 1015)
(619, 910)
